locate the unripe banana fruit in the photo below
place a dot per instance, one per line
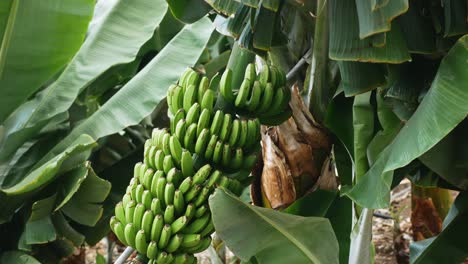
(164, 213)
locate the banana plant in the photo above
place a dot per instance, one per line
(63, 128)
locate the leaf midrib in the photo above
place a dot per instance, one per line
(290, 237)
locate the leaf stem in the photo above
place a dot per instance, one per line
(124, 256)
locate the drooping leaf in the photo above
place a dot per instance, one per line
(450, 245)
(443, 107)
(359, 77)
(71, 156)
(24, 68)
(39, 228)
(271, 236)
(188, 11)
(418, 30)
(345, 43)
(315, 203)
(455, 16)
(17, 257)
(363, 124)
(128, 24)
(72, 181)
(378, 20)
(449, 157)
(140, 96)
(85, 206)
(65, 230)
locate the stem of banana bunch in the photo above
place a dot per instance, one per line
(238, 61)
(124, 256)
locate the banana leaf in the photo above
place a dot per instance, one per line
(31, 53)
(359, 77)
(345, 43)
(128, 24)
(39, 228)
(140, 96)
(378, 20)
(271, 236)
(455, 16)
(188, 11)
(17, 257)
(441, 110)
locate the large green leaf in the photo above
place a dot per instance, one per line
(189, 11)
(40, 37)
(85, 206)
(39, 228)
(140, 96)
(363, 125)
(358, 77)
(64, 229)
(378, 20)
(443, 107)
(455, 16)
(450, 245)
(449, 158)
(81, 147)
(18, 257)
(116, 40)
(345, 43)
(272, 237)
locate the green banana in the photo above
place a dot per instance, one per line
(203, 121)
(146, 199)
(130, 234)
(120, 212)
(225, 86)
(178, 224)
(140, 242)
(202, 88)
(138, 215)
(244, 92)
(157, 227)
(147, 221)
(164, 212)
(186, 164)
(169, 214)
(174, 243)
(152, 250)
(202, 174)
(179, 203)
(165, 236)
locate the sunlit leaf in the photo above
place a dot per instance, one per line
(24, 68)
(271, 236)
(140, 96)
(74, 153)
(128, 24)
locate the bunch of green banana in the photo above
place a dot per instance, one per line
(265, 95)
(164, 214)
